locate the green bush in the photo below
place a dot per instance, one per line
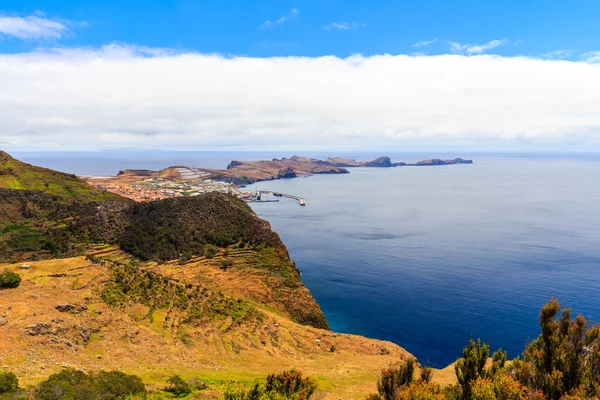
(226, 264)
(289, 385)
(8, 382)
(9, 280)
(471, 367)
(71, 384)
(210, 251)
(178, 386)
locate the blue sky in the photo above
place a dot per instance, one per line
(323, 27)
(300, 75)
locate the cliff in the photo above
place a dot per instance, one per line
(199, 286)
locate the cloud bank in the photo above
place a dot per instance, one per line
(123, 96)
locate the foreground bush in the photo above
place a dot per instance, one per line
(563, 363)
(564, 359)
(289, 385)
(8, 382)
(71, 384)
(9, 280)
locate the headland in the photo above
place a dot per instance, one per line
(176, 181)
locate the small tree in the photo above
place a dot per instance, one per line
(471, 367)
(9, 280)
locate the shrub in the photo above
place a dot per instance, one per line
(421, 391)
(289, 385)
(393, 379)
(178, 386)
(9, 280)
(71, 384)
(210, 251)
(471, 367)
(226, 264)
(564, 359)
(426, 374)
(8, 382)
(563, 363)
(185, 257)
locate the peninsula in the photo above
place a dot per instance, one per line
(147, 185)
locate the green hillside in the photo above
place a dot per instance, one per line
(17, 175)
(46, 214)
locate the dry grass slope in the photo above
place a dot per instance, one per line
(57, 317)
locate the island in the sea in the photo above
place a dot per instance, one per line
(147, 185)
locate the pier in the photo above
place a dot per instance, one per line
(289, 196)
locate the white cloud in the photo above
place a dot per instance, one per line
(344, 25)
(121, 96)
(424, 43)
(591, 56)
(476, 48)
(268, 24)
(32, 27)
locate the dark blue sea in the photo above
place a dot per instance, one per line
(428, 257)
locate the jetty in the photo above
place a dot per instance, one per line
(277, 194)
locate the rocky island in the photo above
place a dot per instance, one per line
(255, 171)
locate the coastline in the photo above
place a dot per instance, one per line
(147, 185)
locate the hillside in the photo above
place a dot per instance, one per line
(224, 338)
(36, 225)
(17, 175)
(197, 286)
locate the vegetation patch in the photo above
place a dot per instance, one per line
(288, 385)
(71, 384)
(196, 304)
(563, 363)
(9, 280)
(8, 382)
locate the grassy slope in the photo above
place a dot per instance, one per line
(18, 175)
(35, 224)
(39, 208)
(155, 344)
(238, 336)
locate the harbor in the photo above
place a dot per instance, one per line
(278, 194)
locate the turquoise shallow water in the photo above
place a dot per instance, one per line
(428, 257)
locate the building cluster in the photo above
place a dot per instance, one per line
(160, 188)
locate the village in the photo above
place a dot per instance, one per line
(151, 189)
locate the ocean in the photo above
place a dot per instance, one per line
(427, 257)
